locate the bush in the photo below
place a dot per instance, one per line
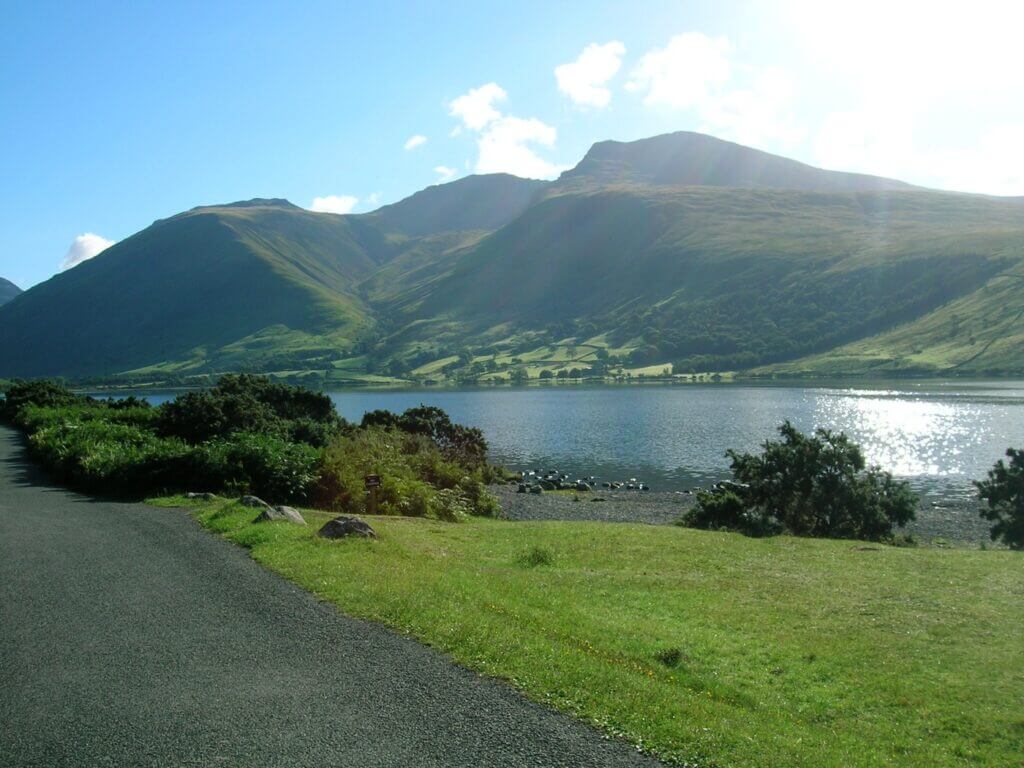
(808, 486)
(727, 511)
(413, 472)
(42, 392)
(107, 457)
(264, 465)
(1004, 493)
(254, 404)
(465, 446)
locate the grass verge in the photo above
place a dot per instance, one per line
(704, 648)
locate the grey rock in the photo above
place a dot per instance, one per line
(343, 527)
(280, 513)
(536, 489)
(522, 488)
(581, 486)
(201, 496)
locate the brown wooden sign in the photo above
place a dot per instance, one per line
(372, 481)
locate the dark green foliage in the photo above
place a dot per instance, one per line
(264, 465)
(417, 479)
(247, 403)
(43, 392)
(1003, 493)
(464, 445)
(536, 556)
(252, 435)
(670, 657)
(808, 486)
(726, 510)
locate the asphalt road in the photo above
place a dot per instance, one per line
(131, 637)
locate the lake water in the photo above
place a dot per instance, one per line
(939, 435)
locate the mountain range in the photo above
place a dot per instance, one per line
(679, 250)
(8, 291)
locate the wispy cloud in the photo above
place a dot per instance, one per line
(584, 80)
(334, 204)
(504, 141)
(415, 141)
(83, 248)
(444, 173)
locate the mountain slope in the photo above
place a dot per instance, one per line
(188, 285)
(8, 291)
(686, 159)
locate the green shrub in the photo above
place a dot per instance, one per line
(808, 486)
(727, 511)
(1003, 492)
(111, 458)
(42, 392)
(412, 470)
(465, 446)
(254, 404)
(267, 466)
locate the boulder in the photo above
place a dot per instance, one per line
(522, 488)
(201, 496)
(254, 502)
(280, 513)
(581, 486)
(536, 489)
(547, 485)
(342, 527)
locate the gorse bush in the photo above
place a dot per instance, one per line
(416, 478)
(254, 404)
(253, 435)
(1003, 493)
(264, 465)
(808, 486)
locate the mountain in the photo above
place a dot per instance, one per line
(680, 249)
(250, 284)
(8, 291)
(686, 159)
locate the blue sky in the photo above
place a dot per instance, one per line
(113, 115)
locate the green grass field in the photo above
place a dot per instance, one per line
(705, 648)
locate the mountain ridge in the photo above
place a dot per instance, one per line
(678, 249)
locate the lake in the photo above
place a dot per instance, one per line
(938, 435)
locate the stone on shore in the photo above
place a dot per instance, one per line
(290, 514)
(343, 527)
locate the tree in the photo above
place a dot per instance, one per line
(519, 376)
(545, 374)
(1004, 493)
(809, 486)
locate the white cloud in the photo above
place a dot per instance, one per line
(415, 141)
(373, 200)
(503, 141)
(504, 148)
(476, 107)
(583, 80)
(444, 173)
(758, 113)
(732, 100)
(683, 73)
(334, 204)
(83, 248)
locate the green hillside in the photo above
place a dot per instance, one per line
(677, 252)
(720, 279)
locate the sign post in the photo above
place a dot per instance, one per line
(372, 483)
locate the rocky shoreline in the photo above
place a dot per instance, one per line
(953, 520)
